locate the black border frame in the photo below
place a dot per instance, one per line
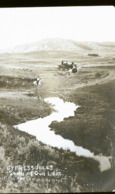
(56, 3)
(52, 3)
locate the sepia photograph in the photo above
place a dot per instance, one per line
(57, 99)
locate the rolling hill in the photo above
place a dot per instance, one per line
(63, 45)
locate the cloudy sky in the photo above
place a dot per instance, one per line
(24, 25)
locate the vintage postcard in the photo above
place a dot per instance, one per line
(57, 99)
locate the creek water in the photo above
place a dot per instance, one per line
(40, 128)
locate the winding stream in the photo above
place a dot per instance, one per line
(40, 128)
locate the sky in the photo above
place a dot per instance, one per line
(25, 25)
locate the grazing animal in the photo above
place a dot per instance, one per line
(70, 71)
(74, 70)
(38, 81)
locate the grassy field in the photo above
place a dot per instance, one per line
(93, 127)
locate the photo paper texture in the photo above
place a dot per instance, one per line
(57, 99)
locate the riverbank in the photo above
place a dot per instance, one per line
(94, 118)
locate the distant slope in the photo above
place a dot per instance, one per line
(48, 45)
(63, 45)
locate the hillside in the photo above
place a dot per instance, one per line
(63, 45)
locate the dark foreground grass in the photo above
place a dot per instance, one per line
(79, 174)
